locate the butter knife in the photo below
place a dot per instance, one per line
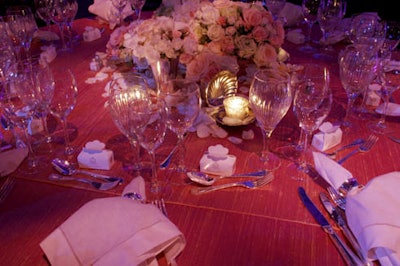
(348, 255)
(337, 216)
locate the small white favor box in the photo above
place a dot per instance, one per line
(91, 34)
(328, 137)
(217, 161)
(94, 156)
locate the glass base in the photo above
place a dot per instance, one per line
(270, 161)
(380, 128)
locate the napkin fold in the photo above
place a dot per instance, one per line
(114, 231)
(393, 109)
(11, 159)
(292, 13)
(374, 218)
(105, 10)
(331, 171)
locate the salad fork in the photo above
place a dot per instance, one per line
(366, 146)
(339, 200)
(246, 184)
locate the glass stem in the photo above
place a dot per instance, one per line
(303, 160)
(265, 151)
(62, 36)
(136, 153)
(154, 187)
(68, 149)
(32, 160)
(350, 103)
(382, 118)
(181, 154)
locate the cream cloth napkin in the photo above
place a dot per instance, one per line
(114, 231)
(374, 217)
(392, 110)
(331, 171)
(11, 159)
(106, 11)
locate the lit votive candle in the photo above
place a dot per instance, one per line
(236, 107)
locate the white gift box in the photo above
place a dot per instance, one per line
(328, 137)
(373, 98)
(94, 156)
(217, 161)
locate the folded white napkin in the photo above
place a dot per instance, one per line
(114, 231)
(106, 11)
(373, 216)
(334, 37)
(11, 159)
(296, 36)
(46, 35)
(393, 109)
(331, 171)
(293, 14)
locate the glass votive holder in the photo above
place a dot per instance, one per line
(236, 107)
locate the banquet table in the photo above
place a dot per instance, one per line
(237, 226)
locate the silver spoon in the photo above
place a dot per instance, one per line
(207, 180)
(66, 168)
(98, 185)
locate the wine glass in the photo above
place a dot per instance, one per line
(128, 96)
(64, 101)
(7, 55)
(63, 13)
(182, 102)
(270, 97)
(43, 9)
(119, 5)
(138, 6)
(330, 13)
(151, 135)
(310, 13)
(311, 105)
(274, 6)
(19, 104)
(22, 25)
(357, 69)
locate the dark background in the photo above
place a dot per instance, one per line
(385, 8)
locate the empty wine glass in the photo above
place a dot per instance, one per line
(127, 97)
(330, 13)
(19, 104)
(63, 13)
(270, 97)
(274, 6)
(357, 69)
(138, 6)
(43, 9)
(182, 101)
(64, 101)
(22, 25)
(120, 5)
(7, 55)
(311, 104)
(151, 135)
(310, 13)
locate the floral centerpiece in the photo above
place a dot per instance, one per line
(206, 37)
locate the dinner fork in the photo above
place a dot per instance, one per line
(339, 200)
(160, 204)
(366, 146)
(246, 184)
(6, 188)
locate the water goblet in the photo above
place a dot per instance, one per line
(128, 96)
(311, 105)
(310, 13)
(270, 97)
(182, 102)
(138, 6)
(357, 69)
(64, 101)
(63, 13)
(151, 135)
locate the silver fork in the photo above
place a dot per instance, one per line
(6, 188)
(246, 184)
(160, 204)
(337, 198)
(366, 146)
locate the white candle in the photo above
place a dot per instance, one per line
(236, 107)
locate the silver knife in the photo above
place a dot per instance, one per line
(347, 254)
(337, 216)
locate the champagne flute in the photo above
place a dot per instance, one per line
(182, 100)
(138, 6)
(151, 136)
(270, 97)
(310, 13)
(64, 101)
(128, 96)
(311, 105)
(357, 69)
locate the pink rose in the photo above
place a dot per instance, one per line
(260, 34)
(265, 55)
(252, 17)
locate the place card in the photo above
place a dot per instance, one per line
(95, 156)
(217, 161)
(328, 137)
